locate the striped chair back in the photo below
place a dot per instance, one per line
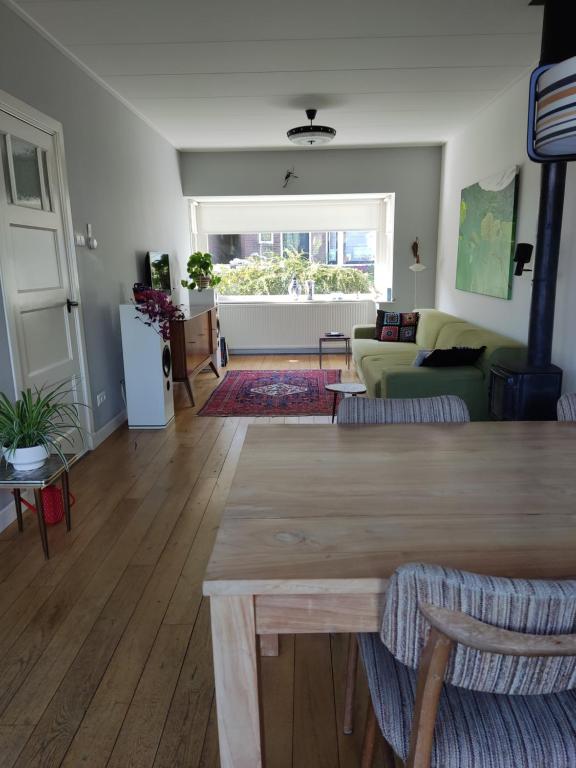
(365, 410)
(567, 408)
(534, 607)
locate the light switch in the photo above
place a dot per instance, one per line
(91, 241)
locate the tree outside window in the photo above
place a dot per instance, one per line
(265, 263)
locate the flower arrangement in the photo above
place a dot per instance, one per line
(158, 310)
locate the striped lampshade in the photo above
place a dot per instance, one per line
(553, 120)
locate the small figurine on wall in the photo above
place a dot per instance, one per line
(290, 174)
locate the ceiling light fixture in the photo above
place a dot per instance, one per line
(311, 135)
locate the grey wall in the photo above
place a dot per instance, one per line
(413, 174)
(124, 180)
(492, 142)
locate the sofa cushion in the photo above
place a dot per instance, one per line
(398, 333)
(374, 366)
(465, 381)
(396, 326)
(362, 348)
(421, 355)
(429, 326)
(461, 334)
(413, 382)
(447, 358)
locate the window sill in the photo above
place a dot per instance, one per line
(323, 299)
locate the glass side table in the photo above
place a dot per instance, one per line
(345, 389)
(36, 480)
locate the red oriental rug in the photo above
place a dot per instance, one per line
(272, 393)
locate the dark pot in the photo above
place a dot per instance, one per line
(139, 290)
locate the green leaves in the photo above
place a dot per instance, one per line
(201, 271)
(40, 417)
(271, 276)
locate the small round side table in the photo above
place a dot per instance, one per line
(343, 389)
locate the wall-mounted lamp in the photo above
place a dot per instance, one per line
(416, 267)
(522, 257)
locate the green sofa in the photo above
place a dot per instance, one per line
(387, 371)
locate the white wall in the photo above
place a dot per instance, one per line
(124, 179)
(494, 140)
(412, 173)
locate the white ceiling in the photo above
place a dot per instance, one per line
(236, 74)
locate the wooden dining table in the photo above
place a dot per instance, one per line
(320, 516)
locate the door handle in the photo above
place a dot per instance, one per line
(70, 304)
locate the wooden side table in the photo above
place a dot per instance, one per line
(36, 480)
(343, 389)
(345, 339)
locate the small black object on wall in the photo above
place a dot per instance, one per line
(522, 256)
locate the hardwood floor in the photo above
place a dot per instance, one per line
(105, 655)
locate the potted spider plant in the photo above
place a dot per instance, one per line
(201, 272)
(39, 422)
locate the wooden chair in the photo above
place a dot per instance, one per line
(472, 671)
(364, 410)
(566, 408)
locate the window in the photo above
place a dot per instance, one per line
(346, 262)
(26, 171)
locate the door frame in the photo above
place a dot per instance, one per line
(27, 114)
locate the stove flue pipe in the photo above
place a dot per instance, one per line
(558, 44)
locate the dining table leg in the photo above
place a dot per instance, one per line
(234, 646)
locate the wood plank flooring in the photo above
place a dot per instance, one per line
(105, 654)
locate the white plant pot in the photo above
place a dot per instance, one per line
(27, 459)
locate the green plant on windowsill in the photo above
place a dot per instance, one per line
(40, 421)
(201, 272)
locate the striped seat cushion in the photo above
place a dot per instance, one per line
(473, 730)
(567, 408)
(417, 410)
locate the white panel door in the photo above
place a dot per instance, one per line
(34, 264)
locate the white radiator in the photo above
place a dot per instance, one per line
(277, 326)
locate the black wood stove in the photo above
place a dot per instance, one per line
(530, 390)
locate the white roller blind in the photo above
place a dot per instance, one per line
(288, 216)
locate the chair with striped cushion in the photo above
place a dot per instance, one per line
(417, 410)
(473, 671)
(567, 408)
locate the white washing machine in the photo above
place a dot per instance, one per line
(147, 372)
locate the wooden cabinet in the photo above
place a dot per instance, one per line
(194, 346)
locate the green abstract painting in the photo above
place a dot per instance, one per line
(486, 237)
